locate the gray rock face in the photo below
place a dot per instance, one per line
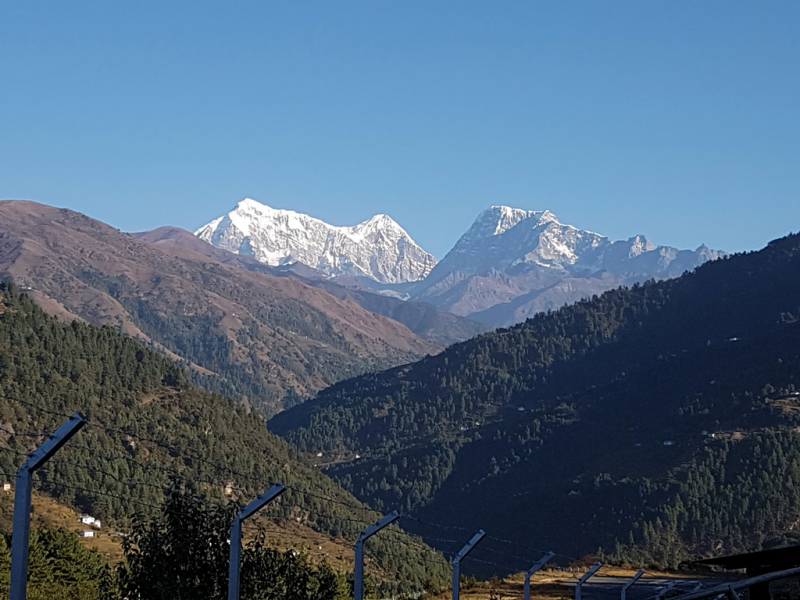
(378, 248)
(513, 263)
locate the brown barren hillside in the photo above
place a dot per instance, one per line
(247, 334)
(425, 320)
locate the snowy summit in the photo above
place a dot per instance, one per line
(377, 248)
(513, 263)
(511, 238)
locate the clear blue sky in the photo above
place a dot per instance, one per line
(679, 120)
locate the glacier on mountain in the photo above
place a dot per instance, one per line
(509, 265)
(377, 248)
(503, 237)
(512, 263)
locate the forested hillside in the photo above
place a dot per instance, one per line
(248, 335)
(664, 408)
(148, 428)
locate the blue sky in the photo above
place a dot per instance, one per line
(679, 120)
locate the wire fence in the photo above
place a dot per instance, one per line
(434, 549)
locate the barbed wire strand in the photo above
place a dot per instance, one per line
(36, 406)
(118, 431)
(172, 471)
(27, 434)
(128, 482)
(513, 543)
(333, 500)
(95, 492)
(223, 468)
(482, 548)
(437, 525)
(12, 451)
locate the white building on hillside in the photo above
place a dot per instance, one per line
(89, 520)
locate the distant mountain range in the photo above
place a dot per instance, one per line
(274, 335)
(509, 265)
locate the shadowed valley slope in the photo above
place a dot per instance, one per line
(656, 422)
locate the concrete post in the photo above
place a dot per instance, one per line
(235, 560)
(358, 572)
(584, 578)
(629, 583)
(22, 502)
(542, 562)
(462, 554)
(663, 591)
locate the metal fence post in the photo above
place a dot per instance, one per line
(542, 562)
(462, 554)
(358, 572)
(663, 591)
(629, 583)
(235, 560)
(732, 593)
(727, 588)
(21, 527)
(585, 578)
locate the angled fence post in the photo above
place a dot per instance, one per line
(462, 554)
(358, 573)
(235, 561)
(23, 486)
(542, 562)
(732, 595)
(727, 588)
(629, 583)
(585, 577)
(663, 591)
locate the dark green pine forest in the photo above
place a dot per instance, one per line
(658, 422)
(150, 431)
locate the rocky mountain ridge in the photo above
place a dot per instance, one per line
(512, 263)
(509, 265)
(377, 248)
(425, 320)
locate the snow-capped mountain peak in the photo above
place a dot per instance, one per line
(639, 245)
(378, 248)
(512, 262)
(496, 220)
(503, 236)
